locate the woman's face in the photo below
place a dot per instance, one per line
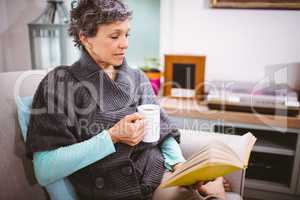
(110, 43)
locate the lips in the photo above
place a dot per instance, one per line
(120, 54)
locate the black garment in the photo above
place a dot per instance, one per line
(78, 102)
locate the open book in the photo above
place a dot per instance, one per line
(218, 155)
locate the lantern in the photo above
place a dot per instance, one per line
(48, 36)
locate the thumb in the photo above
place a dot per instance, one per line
(200, 185)
(133, 117)
(202, 188)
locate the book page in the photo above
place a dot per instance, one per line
(241, 145)
(213, 144)
(251, 142)
(216, 150)
(211, 157)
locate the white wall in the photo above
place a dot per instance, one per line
(144, 31)
(238, 43)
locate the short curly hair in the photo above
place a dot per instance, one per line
(86, 15)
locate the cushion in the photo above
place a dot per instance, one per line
(24, 106)
(61, 189)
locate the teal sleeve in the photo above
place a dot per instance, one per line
(171, 152)
(50, 166)
(61, 189)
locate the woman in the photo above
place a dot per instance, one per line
(84, 124)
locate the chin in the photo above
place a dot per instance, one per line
(118, 62)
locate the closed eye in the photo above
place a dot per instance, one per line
(114, 36)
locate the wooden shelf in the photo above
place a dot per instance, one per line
(267, 185)
(191, 108)
(264, 146)
(278, 139)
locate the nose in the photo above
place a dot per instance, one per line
(124, 43)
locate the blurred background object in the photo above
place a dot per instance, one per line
(48, 36)
(151, 68)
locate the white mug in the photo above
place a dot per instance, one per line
(151, 113)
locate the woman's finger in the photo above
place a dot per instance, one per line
(227, 187)
(140, 135)
(140, 124)
(133, 117)
(139, 127)
(199, 184)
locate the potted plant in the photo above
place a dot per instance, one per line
(151, 68)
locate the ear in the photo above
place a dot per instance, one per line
(85, 41)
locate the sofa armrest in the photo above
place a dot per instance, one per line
(188, 144)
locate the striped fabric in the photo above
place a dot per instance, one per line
(131, 172)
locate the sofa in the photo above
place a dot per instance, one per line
(16, 171)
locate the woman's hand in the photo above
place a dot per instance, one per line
(214, 187)
(177, 166)
(129, 130)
